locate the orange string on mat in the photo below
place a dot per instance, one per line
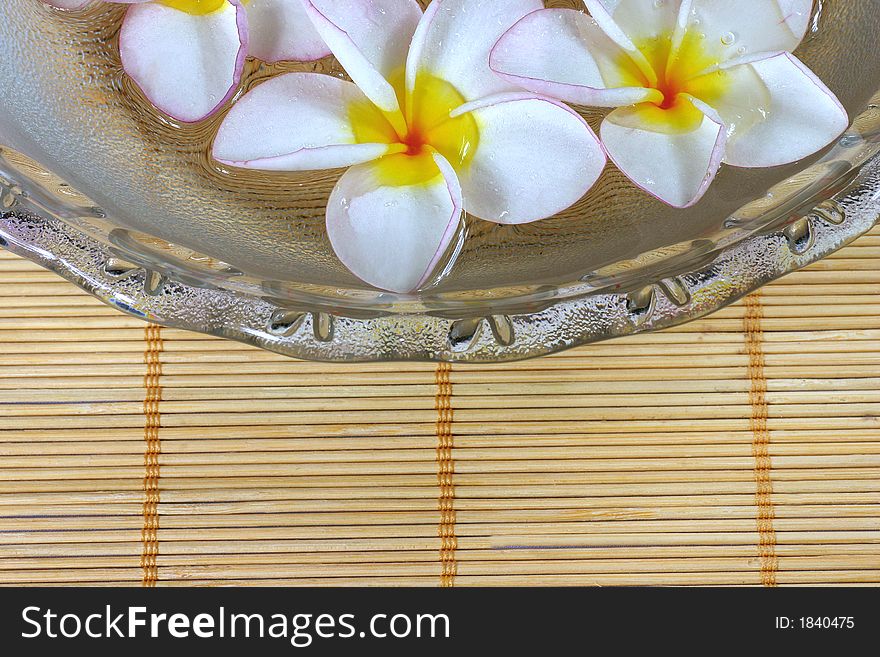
(445, 475)
(761, 439)
(152, 449)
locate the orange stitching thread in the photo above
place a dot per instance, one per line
(445, 478)
(754, 332)
(152, 449)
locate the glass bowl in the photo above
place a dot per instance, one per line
(100, 188)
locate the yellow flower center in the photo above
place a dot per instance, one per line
(425, 127)
(677, 74)
(196, 7)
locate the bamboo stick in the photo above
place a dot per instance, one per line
(481, 435)
(242, 489)
(634, 392)
(406, 415)
(285, 490)
(279, 451)
(621, 532)
(475, 522)
(850, 503)
(580, 361)
(119, 376)
(70, 478)
(511, 569)
(649, 579)
(792, 402)
(60, 558)
(72, 555)
(733, 532)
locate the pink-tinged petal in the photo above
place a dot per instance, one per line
(802, 116)
(370, 38)
(564, 54)
(732, 30)
(281, 30)
(295, 122)
(187, 65)
(394, 236)
(455, 37)
(675, 166)
(535, 158)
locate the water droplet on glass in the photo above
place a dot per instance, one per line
(728, 39)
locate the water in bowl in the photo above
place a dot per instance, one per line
(66, 102)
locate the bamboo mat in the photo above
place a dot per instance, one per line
(739, 449)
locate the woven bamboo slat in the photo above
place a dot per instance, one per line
(740, 449)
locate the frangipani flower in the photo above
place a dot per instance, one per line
(426, 127)
(187, 55)
(697, 83)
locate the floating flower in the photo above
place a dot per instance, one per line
(187, 55)
(696, 83)
(426, 127)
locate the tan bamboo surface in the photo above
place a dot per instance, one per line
(740, 449)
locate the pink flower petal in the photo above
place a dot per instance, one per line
(187, 65)
(393, 236)
(802, 116)
(281, 30)
(295, 122)
(535, 158)
(455, 37)
(370, 38)
(675, 166)
(564, 54)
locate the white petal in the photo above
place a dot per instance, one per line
(798, 14)
(455, 37)
(640, 20)
(564, 54)
(393, 237)
(676, 167)
(654, 23)
(370, 38)
(733, 30)
(281, 30)
(736, 93)
(295, 122)
(535, 158)
(187, 65)
(802, 117)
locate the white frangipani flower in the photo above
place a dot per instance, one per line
(426, 127)
(187, 56)
(696, 83)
